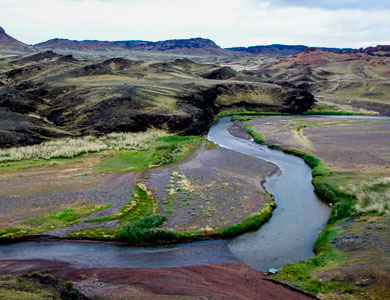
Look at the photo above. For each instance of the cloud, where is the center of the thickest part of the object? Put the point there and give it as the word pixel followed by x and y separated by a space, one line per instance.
pixel 229 23
pixel 331 4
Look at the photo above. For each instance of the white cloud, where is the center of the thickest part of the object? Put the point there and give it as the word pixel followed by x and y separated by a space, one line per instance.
pixel 229 23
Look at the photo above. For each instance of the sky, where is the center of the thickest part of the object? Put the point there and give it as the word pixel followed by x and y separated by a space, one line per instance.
pixel 229 23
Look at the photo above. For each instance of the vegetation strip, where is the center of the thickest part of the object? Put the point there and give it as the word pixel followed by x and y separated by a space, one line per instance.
pixel 251 113
pixel 257 137
pixel 145 231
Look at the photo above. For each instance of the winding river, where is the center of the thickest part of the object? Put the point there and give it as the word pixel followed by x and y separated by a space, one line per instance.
pixel 287 238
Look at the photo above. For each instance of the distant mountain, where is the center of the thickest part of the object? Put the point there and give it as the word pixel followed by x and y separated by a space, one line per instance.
pixel 271 49
pixel 186 46
pixel 8 43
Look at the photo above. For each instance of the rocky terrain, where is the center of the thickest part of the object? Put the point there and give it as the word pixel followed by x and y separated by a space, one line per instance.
pixel 46 95
pixel 350 78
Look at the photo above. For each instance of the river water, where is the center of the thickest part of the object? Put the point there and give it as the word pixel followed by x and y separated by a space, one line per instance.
pixel 287 237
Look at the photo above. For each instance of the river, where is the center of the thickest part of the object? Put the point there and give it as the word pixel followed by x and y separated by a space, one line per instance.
pixel 287 237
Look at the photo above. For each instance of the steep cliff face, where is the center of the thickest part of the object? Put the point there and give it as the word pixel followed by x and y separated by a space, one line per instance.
pixel 45 95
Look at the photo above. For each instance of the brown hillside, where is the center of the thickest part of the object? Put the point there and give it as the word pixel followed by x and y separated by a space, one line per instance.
pixel 8 43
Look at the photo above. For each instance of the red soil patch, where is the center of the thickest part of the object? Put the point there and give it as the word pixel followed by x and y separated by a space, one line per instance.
pixel 219 281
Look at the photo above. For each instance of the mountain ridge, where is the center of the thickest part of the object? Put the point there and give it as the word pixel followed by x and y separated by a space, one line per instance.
pixel 196 46
pixel 9 43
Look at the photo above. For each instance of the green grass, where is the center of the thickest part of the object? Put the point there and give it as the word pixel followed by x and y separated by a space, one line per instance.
pixel 73 147
pixel 142 203
pixel 12 166
pixel 121 152
pixel 319 168
pixel 233 112
pixel 241 118
pixel 145 231
pixel 257 137
pixel 50 221
pixel 36 286
pixel 165 150
pixel 273 146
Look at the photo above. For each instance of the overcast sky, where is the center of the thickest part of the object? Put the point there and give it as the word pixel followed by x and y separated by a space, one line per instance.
pixel 230 23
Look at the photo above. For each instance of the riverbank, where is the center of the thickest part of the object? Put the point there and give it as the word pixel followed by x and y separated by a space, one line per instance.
pixel 352 252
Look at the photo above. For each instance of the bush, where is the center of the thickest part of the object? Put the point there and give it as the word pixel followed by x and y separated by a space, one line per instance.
pixel 144 231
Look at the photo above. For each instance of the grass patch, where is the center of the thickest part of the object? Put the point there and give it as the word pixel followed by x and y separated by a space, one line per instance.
pixel 11 166
pixel 50 221
pixel 369 195
pixel 37 286
pixel 69 148
pixel 273 146
pixel 164 150
pixel 257 137
pixel 142 203
pixel 319 168
pixel 326 185
pixel 229 113
pixel 145 231
pixel 241 118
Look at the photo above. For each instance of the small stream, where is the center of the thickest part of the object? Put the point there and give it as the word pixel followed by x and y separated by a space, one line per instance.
pixel 287 238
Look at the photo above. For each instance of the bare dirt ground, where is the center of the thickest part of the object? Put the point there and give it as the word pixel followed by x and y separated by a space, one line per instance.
pixel 219 281
pixel 31 192
pixel 344 145
pixel 216 187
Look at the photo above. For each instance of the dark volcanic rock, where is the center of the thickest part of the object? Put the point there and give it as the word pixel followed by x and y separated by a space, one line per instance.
pixel 222 73
pixel 22 130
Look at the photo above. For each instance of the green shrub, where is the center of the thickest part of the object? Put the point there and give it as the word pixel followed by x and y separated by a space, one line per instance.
pixel 145 231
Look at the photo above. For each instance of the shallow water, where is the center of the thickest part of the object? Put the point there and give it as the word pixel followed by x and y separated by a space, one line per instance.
pixel 288 236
